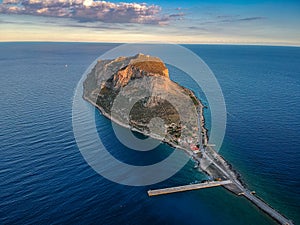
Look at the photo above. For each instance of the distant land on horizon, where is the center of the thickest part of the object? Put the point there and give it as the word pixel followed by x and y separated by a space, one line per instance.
pixel 175 43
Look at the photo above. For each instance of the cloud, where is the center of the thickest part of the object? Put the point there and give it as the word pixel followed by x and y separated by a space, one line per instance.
pixel 177 15
pixel 232 19
pixel 252 18
pixel 246 19
pixel 88 10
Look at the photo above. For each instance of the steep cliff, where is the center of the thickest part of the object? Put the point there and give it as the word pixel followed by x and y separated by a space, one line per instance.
pixel 133 91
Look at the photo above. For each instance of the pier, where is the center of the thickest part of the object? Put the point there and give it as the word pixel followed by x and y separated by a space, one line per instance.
pixel 210 156
pixel 189 187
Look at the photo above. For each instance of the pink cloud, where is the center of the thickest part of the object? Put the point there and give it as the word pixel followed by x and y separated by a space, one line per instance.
pixel 87 10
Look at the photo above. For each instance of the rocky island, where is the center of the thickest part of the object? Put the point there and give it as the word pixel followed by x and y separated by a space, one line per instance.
pixel 134 91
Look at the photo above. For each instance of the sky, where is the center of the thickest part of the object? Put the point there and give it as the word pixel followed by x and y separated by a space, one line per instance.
pixel 262 22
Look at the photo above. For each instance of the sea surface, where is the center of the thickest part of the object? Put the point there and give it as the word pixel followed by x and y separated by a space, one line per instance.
pixel 45 180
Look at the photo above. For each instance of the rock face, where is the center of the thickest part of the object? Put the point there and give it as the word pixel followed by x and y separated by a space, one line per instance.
pixel 133 91
pixel 136 69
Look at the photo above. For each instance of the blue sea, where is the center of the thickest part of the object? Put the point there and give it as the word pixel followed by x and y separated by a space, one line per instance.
pixel 45 180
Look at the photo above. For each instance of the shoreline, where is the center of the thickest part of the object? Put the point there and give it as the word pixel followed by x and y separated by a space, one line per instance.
pixel 210 173
pixel 237 187
pixel 105 114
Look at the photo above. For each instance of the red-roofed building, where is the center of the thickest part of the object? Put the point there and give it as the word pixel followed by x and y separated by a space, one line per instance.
pixel 194 147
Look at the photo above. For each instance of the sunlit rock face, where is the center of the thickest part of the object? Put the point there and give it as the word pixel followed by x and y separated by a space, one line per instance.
pixel 134 90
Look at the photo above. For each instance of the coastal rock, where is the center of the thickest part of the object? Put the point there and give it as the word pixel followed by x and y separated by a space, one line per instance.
pixel 132 91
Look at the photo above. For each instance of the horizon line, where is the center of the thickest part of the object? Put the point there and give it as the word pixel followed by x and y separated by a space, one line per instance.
pixel 156 42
